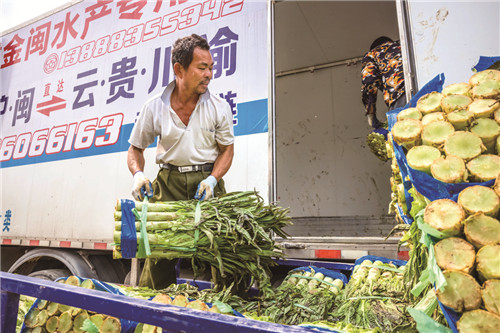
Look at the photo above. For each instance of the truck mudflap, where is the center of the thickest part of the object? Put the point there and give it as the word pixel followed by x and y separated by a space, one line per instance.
pixel 170 318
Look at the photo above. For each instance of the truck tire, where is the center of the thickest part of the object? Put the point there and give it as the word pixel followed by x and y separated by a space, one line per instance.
pixel 51 274
pixel 31 262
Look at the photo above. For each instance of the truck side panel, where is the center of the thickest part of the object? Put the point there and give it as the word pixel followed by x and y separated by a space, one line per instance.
pixel 73 83
pixel 450 36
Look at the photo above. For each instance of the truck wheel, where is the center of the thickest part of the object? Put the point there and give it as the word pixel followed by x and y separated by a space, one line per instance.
pixel 50 274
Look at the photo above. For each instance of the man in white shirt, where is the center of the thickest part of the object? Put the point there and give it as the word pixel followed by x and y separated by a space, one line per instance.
pixel 195 140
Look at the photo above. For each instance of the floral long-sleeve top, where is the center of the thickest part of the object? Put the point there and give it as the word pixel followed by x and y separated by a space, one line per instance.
pixel 382 69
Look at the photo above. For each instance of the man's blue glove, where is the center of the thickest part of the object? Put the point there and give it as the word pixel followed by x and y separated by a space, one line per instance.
pixel 373 121
pixel 206 188
pixel 382 131
pixel 142 187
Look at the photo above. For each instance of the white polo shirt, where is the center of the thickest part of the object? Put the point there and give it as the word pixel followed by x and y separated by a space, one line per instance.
pixel 210 123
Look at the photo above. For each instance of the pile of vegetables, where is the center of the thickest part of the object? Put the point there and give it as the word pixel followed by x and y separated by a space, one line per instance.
pixel 453 135
pixel 467 251
pixel 304 296
pixel 179 300
pixel 231 235
pixel 223 301
pixel 373 298
pixel 47 316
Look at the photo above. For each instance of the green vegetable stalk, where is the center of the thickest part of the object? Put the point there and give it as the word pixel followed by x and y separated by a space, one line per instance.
pixel 231 236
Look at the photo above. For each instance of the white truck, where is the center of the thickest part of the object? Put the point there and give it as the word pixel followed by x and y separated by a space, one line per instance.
pixel 74 79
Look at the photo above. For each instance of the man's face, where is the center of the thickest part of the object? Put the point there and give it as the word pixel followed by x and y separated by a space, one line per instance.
pixel 199 73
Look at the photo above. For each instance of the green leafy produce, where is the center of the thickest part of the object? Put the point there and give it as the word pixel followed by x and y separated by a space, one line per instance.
pixel 292 306
pixel 231 235
pixel 373 298
pixel 313 281
pixel 90 327
pixel 376 143
pixel 303 296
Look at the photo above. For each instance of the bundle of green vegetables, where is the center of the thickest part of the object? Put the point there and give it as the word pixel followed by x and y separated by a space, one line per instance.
pixel 454 135
pixel 304 296
pixel 377 144
pixel 463 253
pixel 230 234
pixel 373 299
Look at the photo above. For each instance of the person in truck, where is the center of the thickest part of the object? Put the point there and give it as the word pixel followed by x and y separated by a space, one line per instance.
pixel 382 69
pixel 195 142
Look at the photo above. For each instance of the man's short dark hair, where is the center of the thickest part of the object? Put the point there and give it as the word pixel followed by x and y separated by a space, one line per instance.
pixel 380 41
pixel 184 47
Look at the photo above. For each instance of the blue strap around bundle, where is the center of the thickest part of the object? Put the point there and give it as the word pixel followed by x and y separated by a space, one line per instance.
pixel 451 316
pixel 128 241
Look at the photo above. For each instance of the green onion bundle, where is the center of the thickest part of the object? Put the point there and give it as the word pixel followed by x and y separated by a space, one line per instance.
pixel 373 298
pixel 231 235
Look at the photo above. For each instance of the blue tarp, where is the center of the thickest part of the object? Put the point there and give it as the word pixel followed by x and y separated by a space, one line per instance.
pixel 485 63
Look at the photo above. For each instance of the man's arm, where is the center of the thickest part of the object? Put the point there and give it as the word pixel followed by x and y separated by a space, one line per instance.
pixel 221 166
pixel 223 161
pixel 135 159
pixel 135 162
pixel 370 81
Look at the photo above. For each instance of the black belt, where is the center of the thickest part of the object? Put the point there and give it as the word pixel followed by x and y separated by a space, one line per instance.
pixel 188 168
